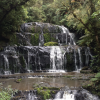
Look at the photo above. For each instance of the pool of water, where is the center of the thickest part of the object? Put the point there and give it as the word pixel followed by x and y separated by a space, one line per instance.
pixel 28 82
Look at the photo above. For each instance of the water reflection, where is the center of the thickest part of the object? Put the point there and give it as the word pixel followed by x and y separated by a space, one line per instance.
pixel 28 83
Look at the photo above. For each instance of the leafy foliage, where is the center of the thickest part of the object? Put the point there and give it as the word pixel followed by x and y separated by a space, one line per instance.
pixel 6 93
pixel 97 75
pixel 95 62
pixel 94 86
pixel 12 14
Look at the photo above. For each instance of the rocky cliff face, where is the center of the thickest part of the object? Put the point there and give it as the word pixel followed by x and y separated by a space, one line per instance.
pixel 27 52
pixel 34 33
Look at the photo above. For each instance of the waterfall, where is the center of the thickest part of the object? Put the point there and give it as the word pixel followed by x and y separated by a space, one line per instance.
pixel 58 95
pixel 6 64
pixel 66 31
pixel 29 57
pixel 67 56
pixel 56 59
pixel 87 54
pixel 41 37
pixel 75 95
pixel 76 67
pixel 39 63
pixel 79 52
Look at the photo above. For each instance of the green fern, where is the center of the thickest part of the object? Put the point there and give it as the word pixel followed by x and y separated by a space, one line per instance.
pixel 97 75
pixel 94 79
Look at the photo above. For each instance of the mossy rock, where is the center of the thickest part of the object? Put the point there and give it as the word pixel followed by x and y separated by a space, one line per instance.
pixel 34 39
pixel 46 92
pixel 51 44
pixel 86 71
pixel 18 80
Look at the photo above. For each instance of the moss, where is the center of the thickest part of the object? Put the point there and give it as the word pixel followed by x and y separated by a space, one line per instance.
pixel 18 80
pixel 51 44
pixel 85 71
pixel 45 30
pixel 53 37
pixel 33 30
pixel 34 39
pixel 47 37
pixel 46 92
pixel 68 76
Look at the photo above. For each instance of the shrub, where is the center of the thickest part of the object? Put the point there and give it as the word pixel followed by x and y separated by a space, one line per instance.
pixel 51 44
pixel 6 93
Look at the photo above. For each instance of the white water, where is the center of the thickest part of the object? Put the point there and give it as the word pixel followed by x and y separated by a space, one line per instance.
pixel 41 37
pixel 6 62
pixel 67 95
pixel 76 67
pixel 79 52
pixel 87 54
pixel 56 59
pixel 66 31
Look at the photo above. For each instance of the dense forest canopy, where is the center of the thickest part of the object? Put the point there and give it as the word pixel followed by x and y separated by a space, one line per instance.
pixel 80 15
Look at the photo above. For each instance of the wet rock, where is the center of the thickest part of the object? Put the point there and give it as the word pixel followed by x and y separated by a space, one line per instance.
pixel 80 96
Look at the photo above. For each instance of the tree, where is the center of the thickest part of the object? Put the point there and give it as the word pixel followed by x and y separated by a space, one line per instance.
pixel 11 16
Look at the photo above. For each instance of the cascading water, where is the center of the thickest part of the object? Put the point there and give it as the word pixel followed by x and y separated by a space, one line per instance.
pixel 61 57
pixel 76 67
pixel 6 63
pixel 87 54
pixel 55 52
pixel 79 52
pixel 41 37
pixel 56 59
pixel 75 95
pixel 71 35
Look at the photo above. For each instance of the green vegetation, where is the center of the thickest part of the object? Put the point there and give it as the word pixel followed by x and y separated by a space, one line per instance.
pixel 45 92
pixel 6 93
pixel 94 85
pixel 51 44
pixel 12 14
pixel 47 37
pixel 95 63
pixel 36 39
pixel 18 80
pixel 81 16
